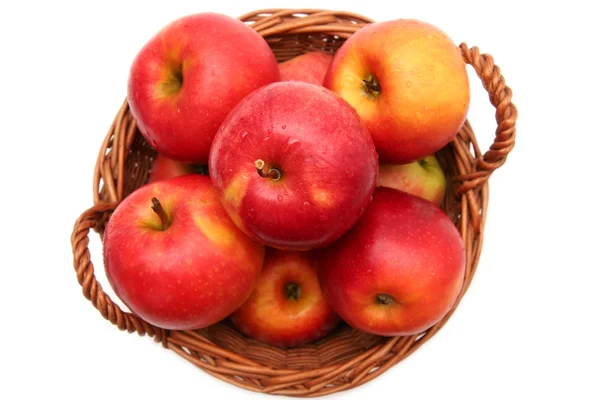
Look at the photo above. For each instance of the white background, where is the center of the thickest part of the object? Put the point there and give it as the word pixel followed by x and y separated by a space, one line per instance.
pixel 527 327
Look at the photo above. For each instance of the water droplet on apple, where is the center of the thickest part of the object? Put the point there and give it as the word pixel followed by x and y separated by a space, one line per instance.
pixel 306 204
pixel 244 134
pixel 408 84
pixel 283 126
pixel 349 174
pixel 279 197
pixel 324 151
pixel 266 138
pixel 213 72
pixel 294 144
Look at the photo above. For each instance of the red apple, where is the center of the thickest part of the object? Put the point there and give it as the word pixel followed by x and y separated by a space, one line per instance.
pixel 186 78
pixel 424 178
pixel 399 270
pixel 408 82
pixel 309 67
pixel 287 306
pixel 174 257
pixel 165 168
pixel 294 165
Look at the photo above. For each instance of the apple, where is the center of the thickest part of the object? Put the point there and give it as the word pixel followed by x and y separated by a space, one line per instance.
pixel 409 84
pixel 424 178
pixel 294 165
pixel 165 168
pixel 309 67
pixel 189 75
pixel 399 270
pixel 173 256
pixel 287 307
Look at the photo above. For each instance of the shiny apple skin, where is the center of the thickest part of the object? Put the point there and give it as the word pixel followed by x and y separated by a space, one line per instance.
pixel 271 316
pixel 165 168
pixel 190 275
pixel 217 59
pixel 309 67
pixel 404 247
pixel 424 178
pixel 327 160
pixel 424 87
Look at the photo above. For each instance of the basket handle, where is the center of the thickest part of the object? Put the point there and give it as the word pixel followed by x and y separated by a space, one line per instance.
pixel 92 290
pixel 500 96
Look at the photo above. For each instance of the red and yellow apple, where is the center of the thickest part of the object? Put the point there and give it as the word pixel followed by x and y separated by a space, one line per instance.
pixel 309 67
pixel 174 257
pixel 424 178
pixel 294 166
pixel 408 82
pixel 287 306
pixel 399 270
pixel 186 78
pixel 165 168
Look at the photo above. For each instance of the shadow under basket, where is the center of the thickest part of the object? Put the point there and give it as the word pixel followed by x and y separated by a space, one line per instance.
pixel 345 358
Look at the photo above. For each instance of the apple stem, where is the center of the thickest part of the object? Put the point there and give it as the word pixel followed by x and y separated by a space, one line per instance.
pixel 160 211
pixel 272 173
pixel 384 299
pixel 372 85
pixel 293 291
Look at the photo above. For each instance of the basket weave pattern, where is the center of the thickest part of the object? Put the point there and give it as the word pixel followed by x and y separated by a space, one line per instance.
pixel 346 358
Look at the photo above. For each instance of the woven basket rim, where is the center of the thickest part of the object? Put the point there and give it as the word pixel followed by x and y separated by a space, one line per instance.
pixel 469 195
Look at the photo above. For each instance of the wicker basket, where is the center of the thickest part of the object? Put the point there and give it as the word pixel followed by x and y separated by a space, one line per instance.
pixel 346 358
